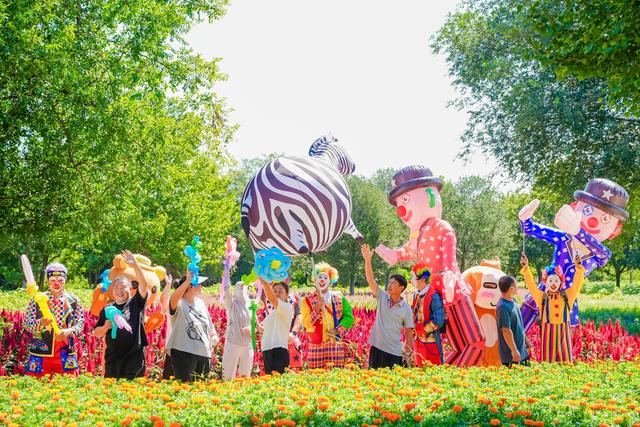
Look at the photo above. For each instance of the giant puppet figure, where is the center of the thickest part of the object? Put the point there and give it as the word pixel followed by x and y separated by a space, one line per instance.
pixel 485 294
pixel 416 194
pixel 596 216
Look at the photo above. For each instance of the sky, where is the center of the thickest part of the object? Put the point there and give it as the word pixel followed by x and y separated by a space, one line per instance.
pixel 361 70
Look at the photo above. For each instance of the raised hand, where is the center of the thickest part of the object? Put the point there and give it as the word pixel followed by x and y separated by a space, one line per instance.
pixel 128 256
pixel 527 211
pixel 367 254
pixel 387 254
pixel 568 220
pixel 524 261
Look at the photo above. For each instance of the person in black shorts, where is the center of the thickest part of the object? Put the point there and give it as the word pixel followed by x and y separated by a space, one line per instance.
pixel 125 356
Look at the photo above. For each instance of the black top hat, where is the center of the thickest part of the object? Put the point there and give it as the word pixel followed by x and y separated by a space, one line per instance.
pixel 606 195
pixel 410 177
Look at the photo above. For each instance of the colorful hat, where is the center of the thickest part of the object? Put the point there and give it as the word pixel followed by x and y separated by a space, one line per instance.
pixel 605 195
pixel 410 177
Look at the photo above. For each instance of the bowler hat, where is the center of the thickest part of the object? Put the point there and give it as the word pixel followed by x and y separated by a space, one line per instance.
pixel 411 177
pixel 605 195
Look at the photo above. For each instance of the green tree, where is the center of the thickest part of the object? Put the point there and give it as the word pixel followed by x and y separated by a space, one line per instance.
pixel 473 207
pixel 112 134
pixel 587 39
pixel 546 132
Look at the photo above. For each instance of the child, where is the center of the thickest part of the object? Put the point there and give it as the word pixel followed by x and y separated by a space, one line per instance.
pixel 124 356
pixel 555 309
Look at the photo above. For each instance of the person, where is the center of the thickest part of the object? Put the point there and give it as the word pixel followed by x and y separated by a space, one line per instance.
pixel 428 316
pixel 51 353
pixel 393 314
pixel 512 341
pixel 124 355
pixel 167 368
pixel 193 335
pixel 295 354
pixel 238 349
pixel 418 202
pixel 555 304
pixel 326 316
pixel 276 326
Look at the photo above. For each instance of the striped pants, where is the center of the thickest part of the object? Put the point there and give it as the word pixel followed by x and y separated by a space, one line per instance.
pixel 556 342
pixel 328 354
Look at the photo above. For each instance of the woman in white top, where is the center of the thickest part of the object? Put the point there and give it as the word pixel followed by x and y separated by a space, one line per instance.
pixel 238 351
pixel 193 335
pixel 275 339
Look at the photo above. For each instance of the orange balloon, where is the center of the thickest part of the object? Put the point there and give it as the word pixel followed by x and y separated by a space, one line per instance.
pixel 100 299
pixel 154 321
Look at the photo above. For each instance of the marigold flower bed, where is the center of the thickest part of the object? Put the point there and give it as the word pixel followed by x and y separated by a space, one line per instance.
pixel 585 394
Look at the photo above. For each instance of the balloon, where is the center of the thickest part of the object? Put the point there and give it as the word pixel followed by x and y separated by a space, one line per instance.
pixel 231 256
pixel 272 265
pixel 416 196
pixel 300 205
pixel 117 319
pixel 600 211
pixel 192 252
pixel 485 295
pixel 40 298
pixel 105 280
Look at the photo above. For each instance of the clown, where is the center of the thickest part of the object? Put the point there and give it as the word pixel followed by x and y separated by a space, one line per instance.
pixel 326 316
pixel 52 353
pixel 428 316
pixel 416 195
pixel 596 216
pixel 555 303
pixel 483 280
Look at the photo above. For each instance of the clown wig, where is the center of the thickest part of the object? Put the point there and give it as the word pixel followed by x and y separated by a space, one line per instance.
pixel 422 271
pixel 323 267
pixel 554 269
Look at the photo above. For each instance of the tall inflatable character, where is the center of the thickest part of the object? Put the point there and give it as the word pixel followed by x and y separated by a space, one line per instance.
pixel 483 280
pixel 416 194
pixel 300 205
pixel 596 216
pixel 326 316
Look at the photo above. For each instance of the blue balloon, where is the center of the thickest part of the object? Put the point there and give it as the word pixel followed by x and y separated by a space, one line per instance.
pixel 272 265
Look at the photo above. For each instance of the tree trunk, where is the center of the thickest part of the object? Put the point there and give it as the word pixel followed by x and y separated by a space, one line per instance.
pixel 42 275
pixel 619 272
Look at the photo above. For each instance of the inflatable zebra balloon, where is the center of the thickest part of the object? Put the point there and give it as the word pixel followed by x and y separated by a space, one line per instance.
pixel 300 205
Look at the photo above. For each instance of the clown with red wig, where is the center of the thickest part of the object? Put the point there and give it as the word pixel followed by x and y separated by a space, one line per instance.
pixel 428 315
pixel 326 316
pixel 555 304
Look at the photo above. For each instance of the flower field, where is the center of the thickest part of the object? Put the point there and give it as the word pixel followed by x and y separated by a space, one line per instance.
pixel 602 393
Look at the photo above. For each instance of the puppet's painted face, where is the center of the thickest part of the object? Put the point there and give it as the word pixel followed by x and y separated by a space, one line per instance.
pixel 598 223
pixel 553 283
pixel 488 294
pixel 56 284
pixel 323 282
pixel 418 205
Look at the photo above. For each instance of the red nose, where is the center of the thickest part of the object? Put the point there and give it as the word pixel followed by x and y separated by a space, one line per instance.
pixel 401 211
pixel 593 222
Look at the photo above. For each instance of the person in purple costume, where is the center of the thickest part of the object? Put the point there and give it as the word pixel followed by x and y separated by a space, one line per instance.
pixel 597 215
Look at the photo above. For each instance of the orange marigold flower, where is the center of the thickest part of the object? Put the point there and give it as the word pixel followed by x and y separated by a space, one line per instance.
pixel 409 406
pixel 255 419
pixel 493 409
pixel 308 413
pixel 290 423
pixel 618 420
pixel 457 408
pixel 377 421
pixel 159 423
pixel 127 421
pixel 418 417
pixel 323 406
pixel 48 424
pixel 175 424
pixel 495 422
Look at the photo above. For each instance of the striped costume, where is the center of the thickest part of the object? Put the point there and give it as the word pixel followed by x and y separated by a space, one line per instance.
pixel 326 351
pixel 555 328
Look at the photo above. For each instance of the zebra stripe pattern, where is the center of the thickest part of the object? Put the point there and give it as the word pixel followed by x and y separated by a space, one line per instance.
pixel 298 205
pixel 326 148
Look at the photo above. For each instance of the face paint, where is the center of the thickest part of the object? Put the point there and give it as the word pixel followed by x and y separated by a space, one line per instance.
pixel 432 197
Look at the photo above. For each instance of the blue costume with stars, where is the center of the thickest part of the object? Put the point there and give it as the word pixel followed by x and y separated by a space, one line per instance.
pixel 590 251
